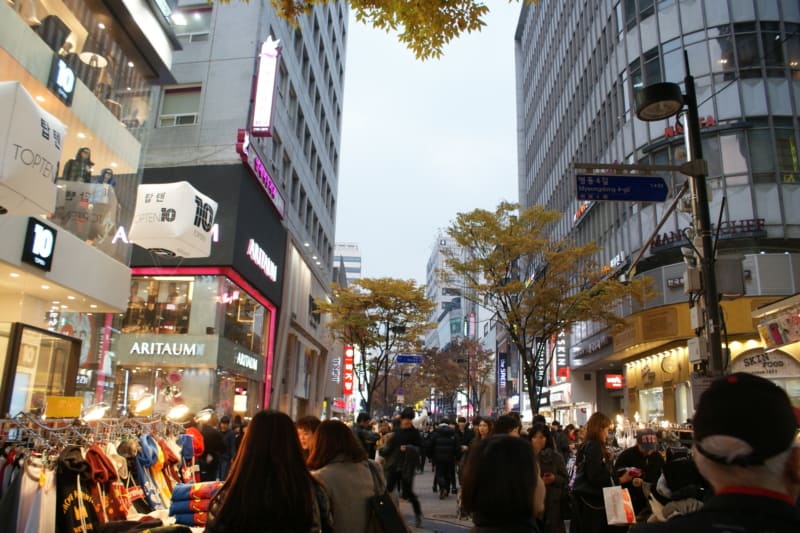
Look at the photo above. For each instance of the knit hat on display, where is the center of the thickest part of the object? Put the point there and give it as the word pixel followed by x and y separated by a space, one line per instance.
pixel 728 409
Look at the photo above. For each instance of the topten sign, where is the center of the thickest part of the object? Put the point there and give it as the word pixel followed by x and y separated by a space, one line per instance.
pixel 264 92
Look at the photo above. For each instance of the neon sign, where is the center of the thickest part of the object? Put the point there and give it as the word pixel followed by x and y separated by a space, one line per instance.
pixel 347 379
pixel 262 260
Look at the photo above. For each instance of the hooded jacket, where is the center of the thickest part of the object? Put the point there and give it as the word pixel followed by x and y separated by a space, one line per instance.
pixel 102 474
pixel 75 509
pixel 145 459
pixel 79 169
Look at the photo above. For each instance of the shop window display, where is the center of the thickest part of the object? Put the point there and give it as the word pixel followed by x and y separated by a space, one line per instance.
pixel 651 404
pixel 157 306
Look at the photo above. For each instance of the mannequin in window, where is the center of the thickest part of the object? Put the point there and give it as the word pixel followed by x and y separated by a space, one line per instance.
pixel 80 168
pixel 106 177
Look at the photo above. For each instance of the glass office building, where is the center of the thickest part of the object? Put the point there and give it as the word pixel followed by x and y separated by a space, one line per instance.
pixel 579 65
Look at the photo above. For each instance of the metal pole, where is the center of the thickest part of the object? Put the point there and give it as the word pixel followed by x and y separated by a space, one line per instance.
pixel 386 375
pixel 702 222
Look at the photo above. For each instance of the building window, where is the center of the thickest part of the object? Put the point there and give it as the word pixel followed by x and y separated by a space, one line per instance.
pixel 180 106
pixel 192 25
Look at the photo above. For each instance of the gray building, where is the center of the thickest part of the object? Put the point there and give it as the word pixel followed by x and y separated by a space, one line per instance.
pixel 579 65
pixel 197 124
pixel 349 255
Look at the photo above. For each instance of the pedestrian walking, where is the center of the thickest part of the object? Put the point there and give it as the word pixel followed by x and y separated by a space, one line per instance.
pixel 269 487
pixel 444 450
pixel 499 485
pixel 402 456
pixel 594 471
pixel 554 475
pixel 341 464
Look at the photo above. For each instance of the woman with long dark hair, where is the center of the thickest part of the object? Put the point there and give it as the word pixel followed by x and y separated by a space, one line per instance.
pixel 499 485
pixel 594 471
pixel 340 463
pixel 269 487
pixel 554 476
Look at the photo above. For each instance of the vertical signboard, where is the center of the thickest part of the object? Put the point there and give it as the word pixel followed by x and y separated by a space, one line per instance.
pixel 264 91
pixel 558 343
pixel 347 375
pixel 502 374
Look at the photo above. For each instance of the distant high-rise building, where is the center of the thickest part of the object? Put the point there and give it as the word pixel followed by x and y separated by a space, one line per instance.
pixel 580 66
pixel 349 254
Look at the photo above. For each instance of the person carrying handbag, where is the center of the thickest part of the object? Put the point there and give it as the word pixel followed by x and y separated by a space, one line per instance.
pixel 594 471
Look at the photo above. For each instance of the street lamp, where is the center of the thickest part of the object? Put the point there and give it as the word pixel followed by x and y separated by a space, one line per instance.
pixel 660 101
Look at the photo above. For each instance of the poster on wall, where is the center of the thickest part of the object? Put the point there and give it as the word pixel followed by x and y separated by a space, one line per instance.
pixel 30 142
pixel 173 219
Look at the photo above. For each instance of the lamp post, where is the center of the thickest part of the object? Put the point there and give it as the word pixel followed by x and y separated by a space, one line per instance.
pixel 660 101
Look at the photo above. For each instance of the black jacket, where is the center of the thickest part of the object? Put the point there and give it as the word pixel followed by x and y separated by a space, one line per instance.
pixel 443 445
pixel 593 473
pixel 743 513
pixel 396 459
pixel 650 465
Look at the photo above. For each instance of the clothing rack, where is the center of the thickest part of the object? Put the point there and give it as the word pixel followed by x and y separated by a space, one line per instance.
pixel 35 432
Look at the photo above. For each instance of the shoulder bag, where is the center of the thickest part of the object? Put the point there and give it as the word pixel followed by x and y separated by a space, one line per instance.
pixel 384 516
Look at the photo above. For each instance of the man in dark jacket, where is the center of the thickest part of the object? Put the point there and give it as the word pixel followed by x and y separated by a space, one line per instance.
pixel 644 463
pixel 444 450
pixel 402 456
pixel 560 439
pixel 364 434
pixel 214 447
pixel 754 469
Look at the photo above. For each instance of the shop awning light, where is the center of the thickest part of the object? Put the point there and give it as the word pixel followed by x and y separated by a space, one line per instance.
pixel 95 412
pixel 177 412
pixel 144 405
pixel 203 416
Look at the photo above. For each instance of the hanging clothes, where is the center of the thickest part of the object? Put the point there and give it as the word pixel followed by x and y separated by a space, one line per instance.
pixel 76 509
pixel 129 449
pixel 38 488
pixel 145 459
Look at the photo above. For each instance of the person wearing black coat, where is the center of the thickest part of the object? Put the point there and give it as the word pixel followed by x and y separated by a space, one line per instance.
pixel 444 449
pixel 402 457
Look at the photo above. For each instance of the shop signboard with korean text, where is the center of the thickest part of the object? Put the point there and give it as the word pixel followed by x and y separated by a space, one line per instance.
pixel 349 371
pixel 30 142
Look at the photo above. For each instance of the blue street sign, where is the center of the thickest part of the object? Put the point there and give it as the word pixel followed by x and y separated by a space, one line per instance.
pixel 621 188
pixel 409 359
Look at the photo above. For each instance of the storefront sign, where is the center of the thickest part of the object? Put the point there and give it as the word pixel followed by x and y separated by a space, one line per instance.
pixel 251 155
pixel 40 241
pixel 502 374
pixel 62 80
pixel 590 347
pixel 336 370
pixel 175 349
pixel 560 358
pixel 30 149
pixel 173 219
pixel 705 122
pixel 773 364
pixel 615 382
pixel 753 227
pixel 264 91
pixel 347 380
pixel 246 361
pixel 258 256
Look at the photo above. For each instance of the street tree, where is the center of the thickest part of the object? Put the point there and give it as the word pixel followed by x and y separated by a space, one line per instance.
pixel 537 286
pixel 381 317
pixel 463 367
pixel 424 27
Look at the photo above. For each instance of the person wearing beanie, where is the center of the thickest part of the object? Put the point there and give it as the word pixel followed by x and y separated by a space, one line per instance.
pixel 754 470
pixel 645 464
pixel 402 456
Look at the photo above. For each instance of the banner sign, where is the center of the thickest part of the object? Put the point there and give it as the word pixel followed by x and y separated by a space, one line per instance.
pixel 31 140
pixel 502 374
pixel 264 90
pixel 347 379
pixel 173 219
pixel 40 241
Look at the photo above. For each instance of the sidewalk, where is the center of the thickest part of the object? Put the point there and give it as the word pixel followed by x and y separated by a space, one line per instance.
pixel 438 515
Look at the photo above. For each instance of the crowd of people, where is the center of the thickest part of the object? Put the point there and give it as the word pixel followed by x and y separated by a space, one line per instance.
pixel 310 475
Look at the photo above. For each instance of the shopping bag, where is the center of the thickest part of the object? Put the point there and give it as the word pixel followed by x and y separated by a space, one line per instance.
pixel 619 508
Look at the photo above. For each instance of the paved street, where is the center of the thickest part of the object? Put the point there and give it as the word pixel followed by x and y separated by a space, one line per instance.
pixel 439 515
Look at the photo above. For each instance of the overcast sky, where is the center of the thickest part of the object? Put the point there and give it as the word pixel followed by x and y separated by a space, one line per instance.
pixel 423 141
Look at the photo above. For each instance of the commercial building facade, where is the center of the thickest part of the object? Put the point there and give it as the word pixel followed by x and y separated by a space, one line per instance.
pixel 575 101
pixel 77 76
pixel 206 130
